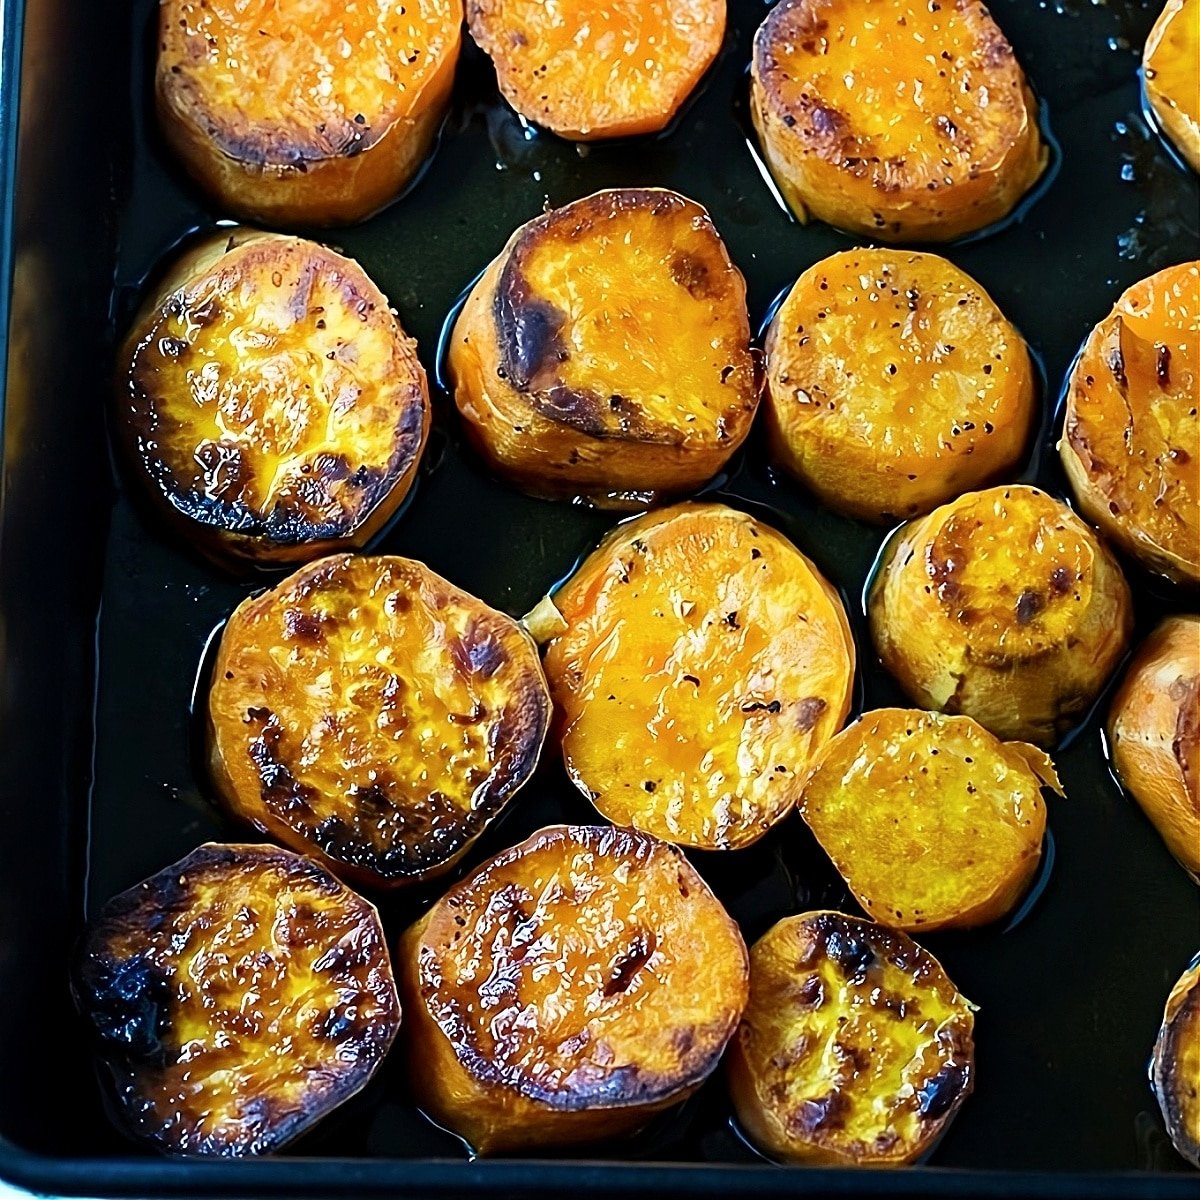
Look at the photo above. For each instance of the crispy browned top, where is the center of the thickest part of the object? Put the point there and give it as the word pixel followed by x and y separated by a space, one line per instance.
pixel 1175 1069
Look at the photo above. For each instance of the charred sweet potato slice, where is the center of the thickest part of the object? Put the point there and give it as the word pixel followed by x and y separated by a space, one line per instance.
pixel 369 713
pixel 569 989
pixel 903 121
pixel 236 998
pixel 894 383
pixel 605 353
pixel 1154 734
pixel 855 1050
pixel 932 821
pixel 1171 76
pixel 270 401
pixel 1175 1065
pixel 702 663
pixel 1005 606
pixel 313 112
pixel 1131 435
pixel 598 68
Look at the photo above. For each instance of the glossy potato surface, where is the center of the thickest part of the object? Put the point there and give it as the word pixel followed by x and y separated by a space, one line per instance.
pixel 1175 1065
pixel 1171 77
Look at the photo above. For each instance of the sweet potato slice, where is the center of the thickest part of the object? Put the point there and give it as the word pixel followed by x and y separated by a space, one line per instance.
pixel 236 997
pixel 1171 77
pixel 703 663
pixel 1005 606
pixel 369 713
pixel 894 383
pixel 592 69
pixel 932 821
pixel 569 989
pixel 903 121
pixel 605 353
pixel 312 112
pixel 1175 1065
pixel 855 1050
pixel 1131 435
pixel 270 401
pixel 1154 734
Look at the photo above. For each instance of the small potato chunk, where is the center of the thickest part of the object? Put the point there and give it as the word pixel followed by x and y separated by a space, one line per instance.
pixel 1005 606
pixel 855 1050
pixel 369 713
pixel 236 997
pixel 1154 734
pixel 313 112
pixel 1175 1065
pixel 904 121
pixel 605 354
pixel 932 822
pixel 270 402
pixel 704 662
pixel 894 383
pixel 1131 435
pixel 592 69
pixel 568 990
pixel 1169 67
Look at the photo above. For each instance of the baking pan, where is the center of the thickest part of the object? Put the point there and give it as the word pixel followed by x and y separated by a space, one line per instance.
pixel 104 619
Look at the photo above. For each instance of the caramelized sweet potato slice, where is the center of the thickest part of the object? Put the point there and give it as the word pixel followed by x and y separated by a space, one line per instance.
pixel 1175 1065
pixel 932 821
pixel 236 998
pixel 569 989
pixel 1172 78
pixel 1131 435
pixel 703 663
pixel 903 121
pixel 855 1050
pixel 270 401
pixel 369 713
pixel 605 353
pixel 1002 605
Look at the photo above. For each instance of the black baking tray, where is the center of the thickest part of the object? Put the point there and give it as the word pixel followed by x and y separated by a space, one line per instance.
pixel 104 619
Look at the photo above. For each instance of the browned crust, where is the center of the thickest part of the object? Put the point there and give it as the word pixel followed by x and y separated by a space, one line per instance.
pixel 1178 1094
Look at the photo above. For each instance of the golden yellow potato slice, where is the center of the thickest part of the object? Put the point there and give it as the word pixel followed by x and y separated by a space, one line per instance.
pixel 1175 1065
pixel 1172 77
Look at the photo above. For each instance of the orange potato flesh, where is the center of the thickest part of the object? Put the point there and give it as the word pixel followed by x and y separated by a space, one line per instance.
pixel 592 69
pixel 271 401
pixel 1175 1066
pixel 605 354
pixel 569 989
pixel 703 663
pixel 901 121
pixel 1172 78
pixel 310 112
pixel 894 383
pixel 932 821
pixel 369 713
pixel 238 996
pixel 855 1050
pixel 1132 435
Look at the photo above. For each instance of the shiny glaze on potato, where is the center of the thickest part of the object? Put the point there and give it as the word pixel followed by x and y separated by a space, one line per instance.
pixel 1005 606
pixel 1175 1065
pixel 569 989
pixel 855 1049
pixel 702 663
pixel 236 998
pixel 270 401
pixel 1171 76
pixel 894 383
pixel 605 353
pixel 899 120
pixel 932 821
pixel 1131 437
pixel 369 713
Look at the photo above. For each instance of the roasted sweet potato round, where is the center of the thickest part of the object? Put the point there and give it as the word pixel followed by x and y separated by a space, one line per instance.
pixel 236 997
pixel 1172 80
pixel 569 989
pixel 855 1050
pixel 1154 734
pixel 894 383
pixel 903 121
pixel 589 70
pixel 605 353
pixel 701 662
pixel 1175 1065
pixel 313 112
pixel 270 401
pixel 369 713
pixel 932 821
pixel 1131 435
pixel 1005 606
